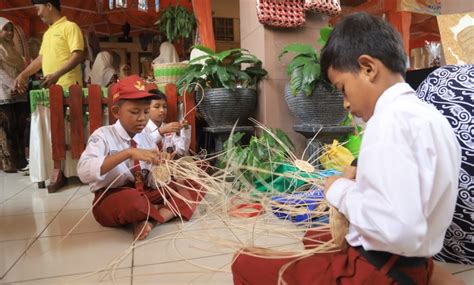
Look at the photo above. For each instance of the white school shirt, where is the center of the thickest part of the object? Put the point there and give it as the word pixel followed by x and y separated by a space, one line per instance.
pixel 106 141
pixel 180 143
pixel 405 192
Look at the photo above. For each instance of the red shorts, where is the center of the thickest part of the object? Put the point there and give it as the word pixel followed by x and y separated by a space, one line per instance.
pixel 127 205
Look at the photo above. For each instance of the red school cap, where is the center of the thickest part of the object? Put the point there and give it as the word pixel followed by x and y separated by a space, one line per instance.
pixel 129 88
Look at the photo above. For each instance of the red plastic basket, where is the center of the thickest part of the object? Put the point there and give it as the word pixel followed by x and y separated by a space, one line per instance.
pixel 281 13
pixel 327 7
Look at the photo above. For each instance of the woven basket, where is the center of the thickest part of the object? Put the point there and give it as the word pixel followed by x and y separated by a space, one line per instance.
pixel 168 72
pixel 327 7
pixel 281 13
pixel 323 107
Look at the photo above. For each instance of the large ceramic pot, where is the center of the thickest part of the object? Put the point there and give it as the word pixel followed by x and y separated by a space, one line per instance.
pixel 324 106
pixel 223 107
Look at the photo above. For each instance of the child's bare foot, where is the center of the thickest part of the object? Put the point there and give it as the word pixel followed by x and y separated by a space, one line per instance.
pixel 142 229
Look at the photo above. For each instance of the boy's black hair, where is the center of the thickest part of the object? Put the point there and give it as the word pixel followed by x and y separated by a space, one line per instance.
pixel 158 94
pixel 56 3
pixel 359 34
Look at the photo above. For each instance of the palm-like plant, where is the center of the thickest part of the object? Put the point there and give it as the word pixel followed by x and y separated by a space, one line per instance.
pixel 305 69
pixel 222 70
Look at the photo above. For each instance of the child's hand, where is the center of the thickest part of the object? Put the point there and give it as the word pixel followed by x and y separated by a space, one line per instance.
pixel 166 156
pixel 328 182
pixel 350 172
pixel 150 156
pixel 170 128
pixel 185 124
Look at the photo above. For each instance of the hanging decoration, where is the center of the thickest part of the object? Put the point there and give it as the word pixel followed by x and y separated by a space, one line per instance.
pixel 281 13
pixel 327 7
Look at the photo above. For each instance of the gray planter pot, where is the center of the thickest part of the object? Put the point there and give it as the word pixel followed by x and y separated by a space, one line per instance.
pixel 223 107
pixel 324 106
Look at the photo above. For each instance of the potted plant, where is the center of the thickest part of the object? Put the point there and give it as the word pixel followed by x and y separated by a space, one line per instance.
pixel 263 153
pixel 176 22
pixel 229 79
pixel 310 98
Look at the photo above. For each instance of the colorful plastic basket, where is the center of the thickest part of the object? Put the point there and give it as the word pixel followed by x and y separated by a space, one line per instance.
pixel 168 72
pixel 280 183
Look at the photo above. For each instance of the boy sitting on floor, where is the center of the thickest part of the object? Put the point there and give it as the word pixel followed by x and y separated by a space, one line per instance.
pixel 404 194
pixel 121 156
pixel 174 137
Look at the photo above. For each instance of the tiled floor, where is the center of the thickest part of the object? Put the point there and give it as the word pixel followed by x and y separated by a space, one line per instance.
pixel 34 248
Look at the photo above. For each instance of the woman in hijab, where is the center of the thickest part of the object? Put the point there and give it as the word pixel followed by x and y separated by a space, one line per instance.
pixel 168 54
pixel 103 72
pixel 13 106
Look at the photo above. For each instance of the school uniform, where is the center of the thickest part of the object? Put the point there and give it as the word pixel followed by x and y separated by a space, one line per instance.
pixel 180 143
pixel 399 207
pixel 129 200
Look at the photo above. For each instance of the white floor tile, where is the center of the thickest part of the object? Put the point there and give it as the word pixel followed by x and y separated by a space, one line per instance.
pixel 51 257
pixel 167 244
pixel 466 276
pixel 211 270
pixel 66 220
pixel 454 267
pixel 24 226
pixel 121 277
pixel 12 181
pixel 81 200
pixel 7 192
pixel 35 192
pixel 31 205
pixel 10 251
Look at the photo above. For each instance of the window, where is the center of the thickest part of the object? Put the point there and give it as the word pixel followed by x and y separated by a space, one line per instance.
pixel 223 29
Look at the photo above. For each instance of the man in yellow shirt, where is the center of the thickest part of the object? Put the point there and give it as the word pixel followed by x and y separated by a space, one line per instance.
pixel 61 51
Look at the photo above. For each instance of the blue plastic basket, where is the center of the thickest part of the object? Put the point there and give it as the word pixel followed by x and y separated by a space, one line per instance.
pixel 309 199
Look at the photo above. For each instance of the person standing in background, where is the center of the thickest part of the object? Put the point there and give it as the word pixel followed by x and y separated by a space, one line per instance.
pixel 61 52
pixel 13 106
pixel 103 72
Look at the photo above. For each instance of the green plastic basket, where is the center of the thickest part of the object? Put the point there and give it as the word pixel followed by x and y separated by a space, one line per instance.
pixel 168 72
pixel 283 184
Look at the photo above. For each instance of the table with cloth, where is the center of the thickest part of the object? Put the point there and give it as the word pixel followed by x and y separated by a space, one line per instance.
pixel 41 162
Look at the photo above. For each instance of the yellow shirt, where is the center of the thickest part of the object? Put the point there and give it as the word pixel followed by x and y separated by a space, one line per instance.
pixel 60 40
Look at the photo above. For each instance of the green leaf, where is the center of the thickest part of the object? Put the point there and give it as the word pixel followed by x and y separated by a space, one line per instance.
pixel 247 58
pixel 224 77
pixel 310 73
pixel 285 139
pixel 223 54
pixel 296 80
pixel 296 62
pixel 205 49
pixel 199 58
pixel 324 34
pixel 233 140
pixel 298 49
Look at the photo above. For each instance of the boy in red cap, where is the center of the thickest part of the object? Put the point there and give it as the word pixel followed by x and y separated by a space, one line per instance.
pixel 121 156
